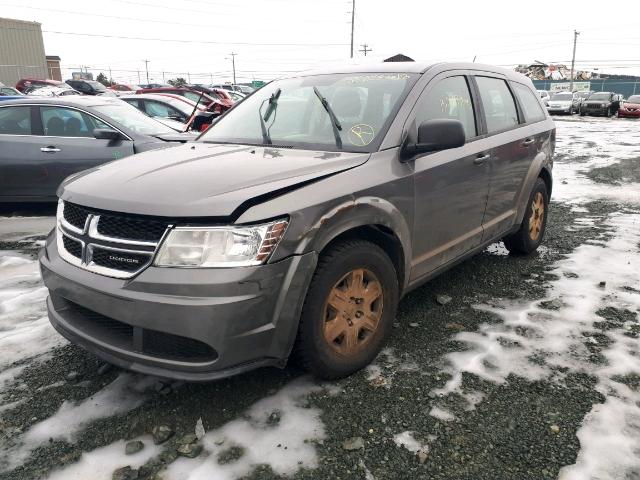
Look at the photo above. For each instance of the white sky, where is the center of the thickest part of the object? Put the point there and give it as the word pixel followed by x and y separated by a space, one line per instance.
pixel 313 33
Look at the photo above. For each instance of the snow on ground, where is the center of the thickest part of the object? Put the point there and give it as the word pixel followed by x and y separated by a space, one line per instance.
pixel 125 393
pixel 13 229
pixel 278 431
pixel 101 462
pixel 539 339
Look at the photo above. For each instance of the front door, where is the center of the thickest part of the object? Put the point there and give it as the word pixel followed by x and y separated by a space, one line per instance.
pixel 451 186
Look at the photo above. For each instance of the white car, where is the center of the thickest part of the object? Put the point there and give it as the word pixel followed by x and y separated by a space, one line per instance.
pixel 544 95
pixel 564 102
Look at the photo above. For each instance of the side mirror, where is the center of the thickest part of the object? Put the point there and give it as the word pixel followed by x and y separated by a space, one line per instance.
pixel 106 134
pixel 438 134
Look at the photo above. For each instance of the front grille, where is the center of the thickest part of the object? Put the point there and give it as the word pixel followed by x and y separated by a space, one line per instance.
pixel 131 228
pixel 75 215
pixel 116 244
pixel 150 342
pixel 72 246
pixel 125 261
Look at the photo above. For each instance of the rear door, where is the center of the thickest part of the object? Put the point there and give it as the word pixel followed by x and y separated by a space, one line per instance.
pixel 513 147
pixel 65 145
pixel 451 186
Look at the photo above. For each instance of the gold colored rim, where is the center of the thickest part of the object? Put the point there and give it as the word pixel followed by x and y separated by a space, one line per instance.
pixel 352 311
pixel 537 216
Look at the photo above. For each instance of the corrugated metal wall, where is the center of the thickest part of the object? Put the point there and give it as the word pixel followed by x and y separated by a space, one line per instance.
pixel 21 51
pixel 625 87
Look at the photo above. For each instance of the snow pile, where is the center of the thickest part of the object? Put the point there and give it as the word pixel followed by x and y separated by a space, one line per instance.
pixel 536 338
pixel 277 431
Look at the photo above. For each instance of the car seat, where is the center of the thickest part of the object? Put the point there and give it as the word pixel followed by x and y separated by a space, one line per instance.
pixel 55 127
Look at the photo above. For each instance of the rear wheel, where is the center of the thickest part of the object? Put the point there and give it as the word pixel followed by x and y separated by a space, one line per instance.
pixel 349 309
pixel 531 232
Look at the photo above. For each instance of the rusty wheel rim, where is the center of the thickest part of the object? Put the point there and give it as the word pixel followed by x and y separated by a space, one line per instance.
pixel 537 216
pixel 352 311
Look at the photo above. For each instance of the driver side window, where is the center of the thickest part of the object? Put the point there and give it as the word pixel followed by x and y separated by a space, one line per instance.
pixel 449 99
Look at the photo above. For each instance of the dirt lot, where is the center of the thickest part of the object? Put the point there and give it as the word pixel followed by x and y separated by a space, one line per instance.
pixel 502 368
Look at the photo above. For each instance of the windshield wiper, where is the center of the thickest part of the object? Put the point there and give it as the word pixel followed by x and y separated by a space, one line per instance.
pixel 273 104
pixel 335 123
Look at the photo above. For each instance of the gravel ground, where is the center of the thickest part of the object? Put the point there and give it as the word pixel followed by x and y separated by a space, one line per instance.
pixel 466 389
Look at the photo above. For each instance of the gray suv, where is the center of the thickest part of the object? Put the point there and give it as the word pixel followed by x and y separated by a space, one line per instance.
pixel 298 220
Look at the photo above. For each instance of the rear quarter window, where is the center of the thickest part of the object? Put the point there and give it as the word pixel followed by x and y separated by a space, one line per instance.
pixel 530 106
pixel 15 120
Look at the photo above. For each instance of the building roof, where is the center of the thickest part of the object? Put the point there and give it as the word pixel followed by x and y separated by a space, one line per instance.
pixel 14 20
pixel 53 57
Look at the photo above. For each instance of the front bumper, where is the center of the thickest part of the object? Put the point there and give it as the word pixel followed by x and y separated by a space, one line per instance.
pixel 595 111
pixel 553 110
pixel 188 324
pixel 629 114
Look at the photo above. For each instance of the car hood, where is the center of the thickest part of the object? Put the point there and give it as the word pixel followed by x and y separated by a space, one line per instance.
pixel 631 105
pixel 177 136
pixel 201 180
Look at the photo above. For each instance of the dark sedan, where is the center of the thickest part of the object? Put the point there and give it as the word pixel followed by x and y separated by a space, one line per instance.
pixel 44 140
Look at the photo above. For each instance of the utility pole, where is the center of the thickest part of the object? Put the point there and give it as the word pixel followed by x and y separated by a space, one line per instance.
pixel 233 65
pixel 139 82
pixel 365 49
pixel 110 78
pixel 146 66
pixel 163 81
pixel 353 18
pixel 573 59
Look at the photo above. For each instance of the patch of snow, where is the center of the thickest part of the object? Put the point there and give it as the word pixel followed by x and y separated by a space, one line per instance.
pixel 497 248
pixel 13 229
pixel 100 463
pixel 442 414
pixel 285 445
pixel 407 440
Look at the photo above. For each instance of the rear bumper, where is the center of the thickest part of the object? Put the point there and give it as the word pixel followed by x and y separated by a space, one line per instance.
pixel 188 324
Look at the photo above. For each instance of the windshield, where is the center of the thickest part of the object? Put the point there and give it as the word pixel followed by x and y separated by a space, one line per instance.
pixel 96 85
pixel 599 96
pixel 290 113
pixel 133 119
pixel 634 99
pixel 562 96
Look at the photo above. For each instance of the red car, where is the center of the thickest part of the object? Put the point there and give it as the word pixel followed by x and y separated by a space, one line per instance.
pixel 219 106
pixel 24 83
pixel 630 108
pixel 121 87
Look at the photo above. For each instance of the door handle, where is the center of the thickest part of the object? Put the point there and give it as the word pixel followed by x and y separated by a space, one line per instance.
pixel 49 149
pixel 527 142
pixel 481 159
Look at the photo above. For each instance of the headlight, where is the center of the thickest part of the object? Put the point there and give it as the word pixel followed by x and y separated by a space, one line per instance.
pixel 603 105
pixel 232 246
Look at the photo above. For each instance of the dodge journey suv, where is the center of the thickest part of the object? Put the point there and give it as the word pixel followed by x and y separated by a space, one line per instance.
pixel 293 226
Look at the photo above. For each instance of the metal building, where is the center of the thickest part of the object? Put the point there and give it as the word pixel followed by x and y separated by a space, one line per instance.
pixel 21 51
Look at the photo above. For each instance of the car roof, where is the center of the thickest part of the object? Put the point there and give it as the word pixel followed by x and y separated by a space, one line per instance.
pixel 70 100
pixel 408 67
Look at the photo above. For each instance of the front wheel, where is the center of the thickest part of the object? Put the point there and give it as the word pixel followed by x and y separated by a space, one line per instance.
pixel 348 311
pixel 531 232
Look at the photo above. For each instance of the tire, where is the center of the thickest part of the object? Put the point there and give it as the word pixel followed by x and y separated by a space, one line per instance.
pixel 531 232
pixel 356 342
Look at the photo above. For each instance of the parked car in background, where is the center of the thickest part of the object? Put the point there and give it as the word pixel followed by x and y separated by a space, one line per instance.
pixel 601 103
pixel 224 96
pixel 200 97
pixel 299 230
pixel 60 91
pixel 171 109
pixel 564 102
pixel 89 87
pixel 544 96
pixel 630 108
pixel 236 96
pixel 44 140
pixel 26 83
pixel 121 87
pixel 9 91
pixel 244 89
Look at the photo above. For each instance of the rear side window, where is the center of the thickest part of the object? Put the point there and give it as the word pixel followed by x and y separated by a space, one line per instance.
pixel 449 98
pixel 499 107
pixel 15 120
pixel 532 110
pixel 66 122
pixel 157 109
